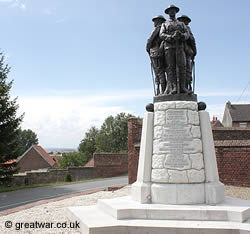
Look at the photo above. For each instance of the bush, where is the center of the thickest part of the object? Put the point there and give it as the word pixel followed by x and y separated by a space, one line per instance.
pixel 68 177
pixel 74 159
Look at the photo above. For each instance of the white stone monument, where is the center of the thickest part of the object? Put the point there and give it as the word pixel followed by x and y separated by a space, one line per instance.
pixel 177 189
pixel 179 161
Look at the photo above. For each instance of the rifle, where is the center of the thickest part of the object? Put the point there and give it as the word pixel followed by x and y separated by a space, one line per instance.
pixel 153 78
pixel 193 69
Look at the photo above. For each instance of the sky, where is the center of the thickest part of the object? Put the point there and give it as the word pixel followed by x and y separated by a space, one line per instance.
pixel 76 62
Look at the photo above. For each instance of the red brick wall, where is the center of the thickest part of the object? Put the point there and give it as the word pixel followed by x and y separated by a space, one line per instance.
pixel 233 160
pixel 110 164
pixel 134 139
pixel 231 133
pixel 110 159
pixel 233 154
pixel 32 161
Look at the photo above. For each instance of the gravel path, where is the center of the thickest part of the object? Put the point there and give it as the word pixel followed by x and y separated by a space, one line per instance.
pixel 55 211
pixel 238 192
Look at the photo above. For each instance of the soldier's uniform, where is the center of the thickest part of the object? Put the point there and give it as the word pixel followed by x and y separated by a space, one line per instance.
pixel 190 50
pixel 155 51
pixel 175 56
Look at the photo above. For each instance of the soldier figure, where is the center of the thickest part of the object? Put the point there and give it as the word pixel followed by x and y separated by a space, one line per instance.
pixel 156 54
pixel 174 33
pixel 190 50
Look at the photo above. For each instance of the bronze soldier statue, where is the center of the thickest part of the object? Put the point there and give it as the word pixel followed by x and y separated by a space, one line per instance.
pixel 190 50
pixel 155 52
pixel 174 33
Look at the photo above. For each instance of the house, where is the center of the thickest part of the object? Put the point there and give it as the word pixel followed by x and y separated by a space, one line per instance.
pixel 236 115
pixel 35 158
pixel 215 123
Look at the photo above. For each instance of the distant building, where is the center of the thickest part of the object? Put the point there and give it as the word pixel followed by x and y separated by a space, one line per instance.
pixel 215 123
pixel 35 158
pixel 236 115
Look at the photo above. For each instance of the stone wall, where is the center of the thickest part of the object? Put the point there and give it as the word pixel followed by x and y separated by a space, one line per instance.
pixel 105 165
pixel 52 176
pixel 233 161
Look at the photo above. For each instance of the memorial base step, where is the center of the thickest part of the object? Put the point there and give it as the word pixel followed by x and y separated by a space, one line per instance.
pixel 125 216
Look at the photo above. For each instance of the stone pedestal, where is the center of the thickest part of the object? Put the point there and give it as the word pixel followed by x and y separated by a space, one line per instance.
pixel 177 189
pixel 183 166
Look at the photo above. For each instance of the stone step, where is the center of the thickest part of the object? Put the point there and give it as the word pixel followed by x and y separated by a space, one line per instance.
pixel 94 221
pixel 235 210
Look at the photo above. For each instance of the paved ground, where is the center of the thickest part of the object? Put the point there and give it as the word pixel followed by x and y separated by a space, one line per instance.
pixel 14 199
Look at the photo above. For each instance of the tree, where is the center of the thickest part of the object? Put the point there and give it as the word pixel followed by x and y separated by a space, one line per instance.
pixel 9 125
pixel 26 138
pixel 113 135
pixel 74 159
pixel 88 144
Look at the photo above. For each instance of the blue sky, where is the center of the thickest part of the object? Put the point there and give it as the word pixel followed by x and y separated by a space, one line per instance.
pixel 76 62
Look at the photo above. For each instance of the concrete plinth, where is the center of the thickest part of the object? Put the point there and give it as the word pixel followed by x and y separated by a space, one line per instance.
pixel 125 216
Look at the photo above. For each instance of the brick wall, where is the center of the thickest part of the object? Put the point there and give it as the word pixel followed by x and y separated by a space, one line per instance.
pixel 110 159
pixel 79 173
pixel 110 164
pixel 134 139
pixel 232 151
pixel 233 160
pixel 231 133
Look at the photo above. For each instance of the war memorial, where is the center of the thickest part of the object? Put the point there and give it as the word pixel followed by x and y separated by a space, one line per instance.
pixel 177 189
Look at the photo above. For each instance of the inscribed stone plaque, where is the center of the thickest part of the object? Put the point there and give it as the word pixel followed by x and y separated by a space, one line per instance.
pixel 179 161
pixel 176 136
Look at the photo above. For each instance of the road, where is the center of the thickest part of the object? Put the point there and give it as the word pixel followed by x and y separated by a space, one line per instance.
pixel 22 197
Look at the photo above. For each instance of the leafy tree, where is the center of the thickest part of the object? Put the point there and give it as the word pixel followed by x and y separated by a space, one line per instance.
pixel 74 159
pixel 113 135
pixel 9 125
pixel 88 144
pixel 26 138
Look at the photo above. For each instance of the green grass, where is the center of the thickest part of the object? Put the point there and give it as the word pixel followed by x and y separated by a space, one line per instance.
pixel 14 188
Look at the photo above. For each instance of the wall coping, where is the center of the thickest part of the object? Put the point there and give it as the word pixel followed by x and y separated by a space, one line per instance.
pixel 232 143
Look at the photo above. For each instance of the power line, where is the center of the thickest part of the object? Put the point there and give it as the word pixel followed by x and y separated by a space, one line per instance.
pixel 243 91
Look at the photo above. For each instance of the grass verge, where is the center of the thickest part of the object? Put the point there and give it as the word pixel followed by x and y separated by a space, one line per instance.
pixel 14 188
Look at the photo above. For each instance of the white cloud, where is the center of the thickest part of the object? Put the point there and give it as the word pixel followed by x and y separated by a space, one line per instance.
pixel 23 6
pixel 61 118
pixel 61 121
pixel 14 4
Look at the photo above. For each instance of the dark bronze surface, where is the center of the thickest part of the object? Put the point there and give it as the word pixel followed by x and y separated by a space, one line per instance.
pixel 172 49
pixel 155 52
pixel 202 106
pixel 150 107
pixel 176 97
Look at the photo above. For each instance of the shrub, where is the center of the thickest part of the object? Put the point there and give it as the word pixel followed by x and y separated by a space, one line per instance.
pixel 68 177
